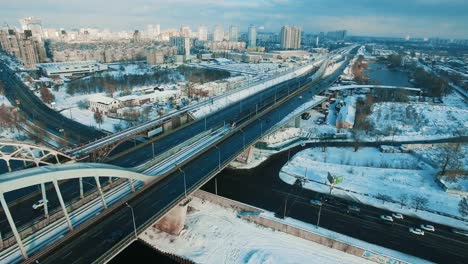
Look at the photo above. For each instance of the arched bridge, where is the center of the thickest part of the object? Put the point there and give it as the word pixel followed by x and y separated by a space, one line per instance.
pixel 40 175
pixel 31 154
pixel 357 86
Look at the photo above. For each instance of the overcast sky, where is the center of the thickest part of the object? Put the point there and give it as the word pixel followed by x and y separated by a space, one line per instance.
pixel 397 18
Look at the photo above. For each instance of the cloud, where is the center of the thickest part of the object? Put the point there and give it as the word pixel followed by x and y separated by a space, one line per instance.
pixel 444 18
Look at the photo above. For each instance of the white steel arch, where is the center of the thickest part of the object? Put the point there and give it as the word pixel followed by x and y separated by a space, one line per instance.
pixel 39 155
pixel 357 86
pixel 29 177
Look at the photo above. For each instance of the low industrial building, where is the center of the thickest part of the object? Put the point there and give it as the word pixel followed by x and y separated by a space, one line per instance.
pixel 66 69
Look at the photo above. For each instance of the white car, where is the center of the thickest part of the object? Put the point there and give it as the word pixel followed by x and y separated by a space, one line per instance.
pixel 428 228
pixel 316 202
pixel 397 215
pixel 386 218
pixel 416 231
pixel 38 204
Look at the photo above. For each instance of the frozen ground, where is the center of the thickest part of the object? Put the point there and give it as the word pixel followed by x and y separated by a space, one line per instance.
pixel 418 120
pixel 370 175
pixel 9 134
pixel 215 234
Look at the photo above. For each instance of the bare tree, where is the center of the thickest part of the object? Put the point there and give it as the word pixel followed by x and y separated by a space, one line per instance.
pixel 403 199
pixel 463 207
pixel 46 95
pixel 419 202
pixel 98 118
pixel 384 198
pixel 452 157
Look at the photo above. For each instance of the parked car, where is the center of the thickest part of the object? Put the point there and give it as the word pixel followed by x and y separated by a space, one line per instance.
pixel 428 227
pixel 316 202
pixel 416 231
pixel 397 215
pixel 386 218
pixel 38 204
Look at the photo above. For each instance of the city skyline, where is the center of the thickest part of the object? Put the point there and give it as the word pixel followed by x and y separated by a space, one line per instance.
pixel 388 18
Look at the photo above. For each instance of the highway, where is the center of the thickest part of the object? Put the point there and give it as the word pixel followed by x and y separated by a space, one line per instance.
pixel 38 112
pixel 92 240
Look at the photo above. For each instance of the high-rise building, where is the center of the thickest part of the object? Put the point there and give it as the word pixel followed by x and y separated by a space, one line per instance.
pixel 252 37
pixel 218 33
pixel 153 30
pixel 234 33
pixel 28 49
pixel 136 36
pixel 154 56
pixel 336 35
pixel 182 44
pixel 185 32
pixel 202 33
pixel 34 24
pixel 290 37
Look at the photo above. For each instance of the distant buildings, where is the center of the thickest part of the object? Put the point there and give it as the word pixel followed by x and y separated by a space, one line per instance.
pixel 154 56
pixel 182 44
pixel 153 30
pixel 234 33
pixel 33 24
pixel 23 46
pixel 185 32
pixel 290 37
pixel 336 35
pixel 136 36
pixel 202 33
pixel 218 33
pixel 225 45
pixel 252 37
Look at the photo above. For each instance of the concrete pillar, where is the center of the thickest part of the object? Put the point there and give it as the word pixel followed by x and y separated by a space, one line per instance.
pixel 62 204
pixel 1 241
pixel 173 222
pixel 132 184
pixel 81 188
pixel 44 198
pixel 297 122
pixel 98 184
pixel 13 226
pixel 110 180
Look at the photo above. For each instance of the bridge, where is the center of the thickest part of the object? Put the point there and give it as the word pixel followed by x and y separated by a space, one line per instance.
pixel 254 117
pixel 353 87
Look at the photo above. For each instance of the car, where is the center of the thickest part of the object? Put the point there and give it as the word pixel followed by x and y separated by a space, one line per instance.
pixel 460 232
pixel 428 228
pixel 416 231
pixel 397 215
pixel 386 218
pixel 353 208
pixel 38 204
pixel 316 202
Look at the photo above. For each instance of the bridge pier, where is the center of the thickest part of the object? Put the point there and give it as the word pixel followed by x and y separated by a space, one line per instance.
pixel 62 204
pixel 173 222
pixel 81 188
pixel 132 185
pixel 13 226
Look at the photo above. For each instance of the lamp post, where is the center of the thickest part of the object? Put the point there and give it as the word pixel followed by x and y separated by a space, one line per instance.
pixel 133 217
pixel 185 182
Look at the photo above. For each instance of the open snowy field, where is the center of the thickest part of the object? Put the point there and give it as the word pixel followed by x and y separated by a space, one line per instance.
pixel 421 120
pixel 394 181
pixel 215 234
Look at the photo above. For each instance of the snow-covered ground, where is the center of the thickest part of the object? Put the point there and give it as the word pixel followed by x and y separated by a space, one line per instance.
pixel 214 234
pixel 8 134
pixel 370 175
pixel 63 100
pixel 418 120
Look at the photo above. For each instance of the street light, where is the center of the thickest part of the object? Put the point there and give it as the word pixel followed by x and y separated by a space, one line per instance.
pixel 185 182
pixel 133 217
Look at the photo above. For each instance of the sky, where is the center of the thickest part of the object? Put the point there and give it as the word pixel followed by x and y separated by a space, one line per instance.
pixel 393 18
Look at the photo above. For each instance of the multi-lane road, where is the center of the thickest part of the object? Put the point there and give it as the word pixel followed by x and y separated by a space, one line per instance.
pixel 92 240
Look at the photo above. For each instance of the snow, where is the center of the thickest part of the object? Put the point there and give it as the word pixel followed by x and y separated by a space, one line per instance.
pixel 343 238
pixel 369 174
pixel 69 102
pixel 215 234
pixel 418 120
pixel 244 93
